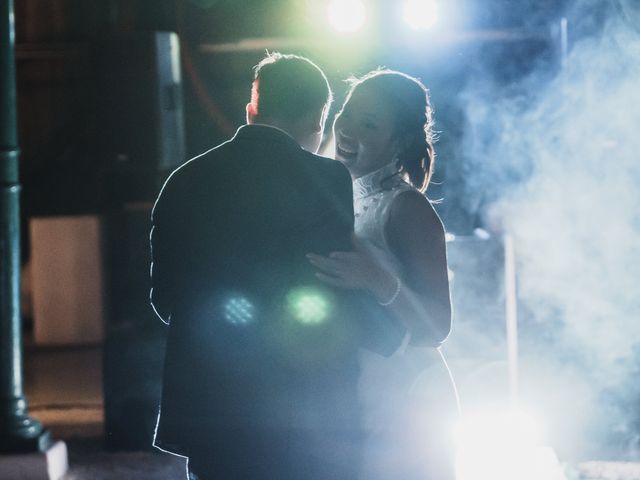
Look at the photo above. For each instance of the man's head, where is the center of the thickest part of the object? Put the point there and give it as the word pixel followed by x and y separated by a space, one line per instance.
pixel 292 93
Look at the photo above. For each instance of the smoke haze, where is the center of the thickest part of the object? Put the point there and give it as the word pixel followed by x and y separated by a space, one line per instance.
pixel 553 160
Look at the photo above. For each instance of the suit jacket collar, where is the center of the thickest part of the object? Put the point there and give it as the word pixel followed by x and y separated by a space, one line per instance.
pixel 265 132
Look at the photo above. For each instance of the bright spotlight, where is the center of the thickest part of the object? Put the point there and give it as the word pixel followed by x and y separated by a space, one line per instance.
pixel 421 14
pixel 499 428
pixel 504 446
pixel 346 15
pixel 307 305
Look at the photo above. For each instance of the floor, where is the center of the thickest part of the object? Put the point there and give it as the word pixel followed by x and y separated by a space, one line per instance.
pixel 88 461
pixel 64 390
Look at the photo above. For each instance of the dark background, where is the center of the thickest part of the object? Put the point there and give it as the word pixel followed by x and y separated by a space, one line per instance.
pixel 66 170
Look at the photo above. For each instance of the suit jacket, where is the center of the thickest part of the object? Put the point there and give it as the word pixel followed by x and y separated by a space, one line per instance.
pixel 256 342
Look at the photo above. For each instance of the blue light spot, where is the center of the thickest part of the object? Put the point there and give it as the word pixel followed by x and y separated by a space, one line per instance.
pixel 239 311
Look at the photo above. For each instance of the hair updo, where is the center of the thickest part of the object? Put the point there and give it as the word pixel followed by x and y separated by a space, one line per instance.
pixel 413 117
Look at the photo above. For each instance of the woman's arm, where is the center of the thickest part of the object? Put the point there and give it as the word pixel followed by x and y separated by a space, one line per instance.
pixel 421 300
pixel 416 237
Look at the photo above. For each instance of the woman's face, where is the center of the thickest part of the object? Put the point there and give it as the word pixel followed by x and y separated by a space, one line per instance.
pixel 364 132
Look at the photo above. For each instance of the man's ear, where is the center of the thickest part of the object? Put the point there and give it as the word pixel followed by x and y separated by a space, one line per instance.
pixel 251 113
pixel 252 106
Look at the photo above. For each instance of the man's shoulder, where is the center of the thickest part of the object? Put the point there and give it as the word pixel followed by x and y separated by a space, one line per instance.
pixel 205 160
pixel 327 165
pixel 336 176
pixel 191 173
pixel 208 157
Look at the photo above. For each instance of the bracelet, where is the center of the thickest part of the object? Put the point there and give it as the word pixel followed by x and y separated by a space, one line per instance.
pixel 395 294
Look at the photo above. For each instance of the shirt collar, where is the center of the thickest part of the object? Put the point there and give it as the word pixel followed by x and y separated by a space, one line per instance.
pixel 376 181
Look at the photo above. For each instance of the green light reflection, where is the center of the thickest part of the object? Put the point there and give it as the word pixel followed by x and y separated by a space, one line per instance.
pixel 308 305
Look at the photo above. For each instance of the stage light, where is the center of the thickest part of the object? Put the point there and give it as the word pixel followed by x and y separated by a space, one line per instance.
pixel 421 14
pixel 239 311
pixel 346 16
pixel 498 428
pixel 504 446
pixel 307 305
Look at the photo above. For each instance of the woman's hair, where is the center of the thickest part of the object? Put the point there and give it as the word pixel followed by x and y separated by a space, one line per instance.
pixel 413 116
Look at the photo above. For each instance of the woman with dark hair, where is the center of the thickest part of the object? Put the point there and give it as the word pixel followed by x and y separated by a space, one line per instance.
pixel 384 136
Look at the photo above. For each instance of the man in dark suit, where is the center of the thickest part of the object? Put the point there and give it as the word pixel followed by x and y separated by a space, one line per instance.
pixel 261 370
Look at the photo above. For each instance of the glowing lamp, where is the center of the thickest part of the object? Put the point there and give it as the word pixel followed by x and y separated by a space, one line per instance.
pixel 504 446
pixel 346 16
pixel 420 14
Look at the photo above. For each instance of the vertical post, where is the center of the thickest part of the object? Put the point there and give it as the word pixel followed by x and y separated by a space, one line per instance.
pixel 511 311
pixel 564 41
pixel 18 431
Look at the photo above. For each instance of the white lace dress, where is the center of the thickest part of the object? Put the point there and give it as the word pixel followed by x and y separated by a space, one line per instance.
pixel 409 400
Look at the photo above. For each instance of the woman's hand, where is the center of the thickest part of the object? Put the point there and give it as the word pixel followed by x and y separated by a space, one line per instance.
pixel 354 270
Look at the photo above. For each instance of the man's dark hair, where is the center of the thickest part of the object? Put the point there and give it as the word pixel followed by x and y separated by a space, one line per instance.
pixel 289 87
